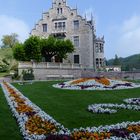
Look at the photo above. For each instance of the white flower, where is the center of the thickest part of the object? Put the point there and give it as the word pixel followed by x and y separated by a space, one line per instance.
pixel 92 84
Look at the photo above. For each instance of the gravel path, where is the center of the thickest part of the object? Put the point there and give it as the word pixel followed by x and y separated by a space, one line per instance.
pixel 7 79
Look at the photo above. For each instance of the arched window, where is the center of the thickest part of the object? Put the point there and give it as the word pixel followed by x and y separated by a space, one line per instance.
pixel 59 10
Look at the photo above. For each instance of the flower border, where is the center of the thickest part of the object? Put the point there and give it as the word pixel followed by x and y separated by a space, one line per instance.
pixel 89 132
pixel 133 104
pixel 96 83
pixel 22 118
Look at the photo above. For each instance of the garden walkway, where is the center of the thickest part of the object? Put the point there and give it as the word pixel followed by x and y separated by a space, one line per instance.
pixel 7 79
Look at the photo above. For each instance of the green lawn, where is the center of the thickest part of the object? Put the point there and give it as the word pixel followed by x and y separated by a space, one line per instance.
pixel 69 107
pixel 9 129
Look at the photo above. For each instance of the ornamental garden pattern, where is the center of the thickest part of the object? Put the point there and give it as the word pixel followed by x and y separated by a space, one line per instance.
pixel 35 124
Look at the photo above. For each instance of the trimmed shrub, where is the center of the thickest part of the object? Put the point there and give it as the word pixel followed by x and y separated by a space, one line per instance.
pixel 28 75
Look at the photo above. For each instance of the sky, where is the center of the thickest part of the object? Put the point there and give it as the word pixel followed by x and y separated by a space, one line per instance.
pixel 117 20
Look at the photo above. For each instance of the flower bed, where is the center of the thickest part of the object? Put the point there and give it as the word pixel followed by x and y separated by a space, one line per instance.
pixel 135 101
pixel 96 83
pixel 37 125
pixel 33 122
pixel 120 131
pixel 133 104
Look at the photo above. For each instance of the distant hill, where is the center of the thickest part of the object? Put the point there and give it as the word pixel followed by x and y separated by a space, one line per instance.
pixel 128 63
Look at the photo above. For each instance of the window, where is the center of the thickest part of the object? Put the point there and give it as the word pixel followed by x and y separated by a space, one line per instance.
pixel 76 41
pixel 63 25
pixel 97 62
pixel 59 10
pixel 101 48
pixel 100 61
pixel 55 25
pixel 96 48
pixel 60 25
pixel 76 24
pixel 76 59
pixel 44 27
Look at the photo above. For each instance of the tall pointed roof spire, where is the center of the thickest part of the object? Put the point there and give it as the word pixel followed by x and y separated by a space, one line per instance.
pixel 91 18
pixel 85 16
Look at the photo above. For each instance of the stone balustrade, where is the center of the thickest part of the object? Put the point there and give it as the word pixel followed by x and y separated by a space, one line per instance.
pixel 43 65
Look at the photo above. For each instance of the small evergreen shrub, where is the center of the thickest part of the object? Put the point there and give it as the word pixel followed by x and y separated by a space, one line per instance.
pixel 3 68
pixel 28 75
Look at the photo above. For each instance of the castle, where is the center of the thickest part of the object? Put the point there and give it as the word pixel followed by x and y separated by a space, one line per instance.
pixel 64 23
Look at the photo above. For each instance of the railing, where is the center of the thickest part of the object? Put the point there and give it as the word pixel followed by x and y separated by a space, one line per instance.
pixel 43 65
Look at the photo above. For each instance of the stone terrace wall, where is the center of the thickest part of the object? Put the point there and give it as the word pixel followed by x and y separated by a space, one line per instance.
pixel 55 73
pixel 44 71
pixel 120 75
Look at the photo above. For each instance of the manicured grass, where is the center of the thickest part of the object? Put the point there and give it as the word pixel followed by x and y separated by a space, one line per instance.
pixel 69 107
pixel 8 127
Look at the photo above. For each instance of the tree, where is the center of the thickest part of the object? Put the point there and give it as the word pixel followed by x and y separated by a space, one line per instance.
pixel 32 48
pixel 10 40
pixel 48 48
pixel 18 52
pixel 55 47
pixel 35 48
pixel 65 48
pixel 116 61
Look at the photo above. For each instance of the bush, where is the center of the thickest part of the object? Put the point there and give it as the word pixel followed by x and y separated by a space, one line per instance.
pixel 28 75
pixel 3 68
pixel 15 76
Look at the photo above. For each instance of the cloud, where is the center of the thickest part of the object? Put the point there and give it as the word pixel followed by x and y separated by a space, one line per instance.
pixel 129 37
pixel 10 25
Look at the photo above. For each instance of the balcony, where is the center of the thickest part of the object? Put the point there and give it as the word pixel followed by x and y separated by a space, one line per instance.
pixel 60 32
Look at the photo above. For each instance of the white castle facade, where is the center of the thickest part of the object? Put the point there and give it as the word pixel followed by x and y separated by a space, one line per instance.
pixel 63 22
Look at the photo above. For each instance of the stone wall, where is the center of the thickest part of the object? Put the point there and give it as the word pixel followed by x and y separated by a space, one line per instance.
pixel 47 74
pixel 44 71
pixel 120 75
